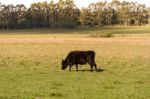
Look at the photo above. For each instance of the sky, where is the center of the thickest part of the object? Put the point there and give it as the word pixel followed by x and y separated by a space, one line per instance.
pixel 79 3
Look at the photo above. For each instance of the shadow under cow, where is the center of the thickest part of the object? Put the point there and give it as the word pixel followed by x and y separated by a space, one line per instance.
pixel 89 70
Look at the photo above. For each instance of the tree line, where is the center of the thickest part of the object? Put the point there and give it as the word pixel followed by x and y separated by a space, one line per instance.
pixel 65 14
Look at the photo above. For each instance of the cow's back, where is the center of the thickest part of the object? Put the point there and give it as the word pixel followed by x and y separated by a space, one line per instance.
pixel 91 53
pixel 81 54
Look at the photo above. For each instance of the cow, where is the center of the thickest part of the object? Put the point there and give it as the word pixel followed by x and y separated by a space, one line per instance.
pixel 79 57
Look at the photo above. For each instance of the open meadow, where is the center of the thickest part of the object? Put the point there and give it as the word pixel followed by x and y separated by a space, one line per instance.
pixel 30 63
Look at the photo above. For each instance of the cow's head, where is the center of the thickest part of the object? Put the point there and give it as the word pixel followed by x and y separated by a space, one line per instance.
pixel 64 64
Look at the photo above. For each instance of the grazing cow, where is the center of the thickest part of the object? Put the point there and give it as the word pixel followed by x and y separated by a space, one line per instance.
pixel 79 57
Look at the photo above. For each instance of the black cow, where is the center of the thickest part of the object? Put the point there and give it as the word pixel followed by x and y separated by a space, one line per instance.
pixel 79 57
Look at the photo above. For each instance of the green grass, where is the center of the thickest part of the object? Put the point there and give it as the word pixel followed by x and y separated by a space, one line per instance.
pixel 123 31
pixel 30 66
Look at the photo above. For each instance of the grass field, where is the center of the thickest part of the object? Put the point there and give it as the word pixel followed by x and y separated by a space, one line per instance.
pixel 30 64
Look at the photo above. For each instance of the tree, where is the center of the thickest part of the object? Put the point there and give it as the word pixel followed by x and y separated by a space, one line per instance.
pixel 71 14
pixel 65 14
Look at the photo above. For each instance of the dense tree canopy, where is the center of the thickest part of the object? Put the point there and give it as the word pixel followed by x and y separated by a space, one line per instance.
pixel 65 14
pixel 115 12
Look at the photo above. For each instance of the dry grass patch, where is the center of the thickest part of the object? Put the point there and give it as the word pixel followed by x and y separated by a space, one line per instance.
pixel 101 35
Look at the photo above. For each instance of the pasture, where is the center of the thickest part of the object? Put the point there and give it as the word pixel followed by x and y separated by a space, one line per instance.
pixel 30 64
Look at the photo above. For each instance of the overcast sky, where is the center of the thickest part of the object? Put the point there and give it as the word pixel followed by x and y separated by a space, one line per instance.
pixel 79 3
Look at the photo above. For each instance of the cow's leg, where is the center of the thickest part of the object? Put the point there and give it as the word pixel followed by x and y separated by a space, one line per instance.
pixel 70 65
pixel 91 67
pixel 95 66
pixel 76 67
pixel 91 64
